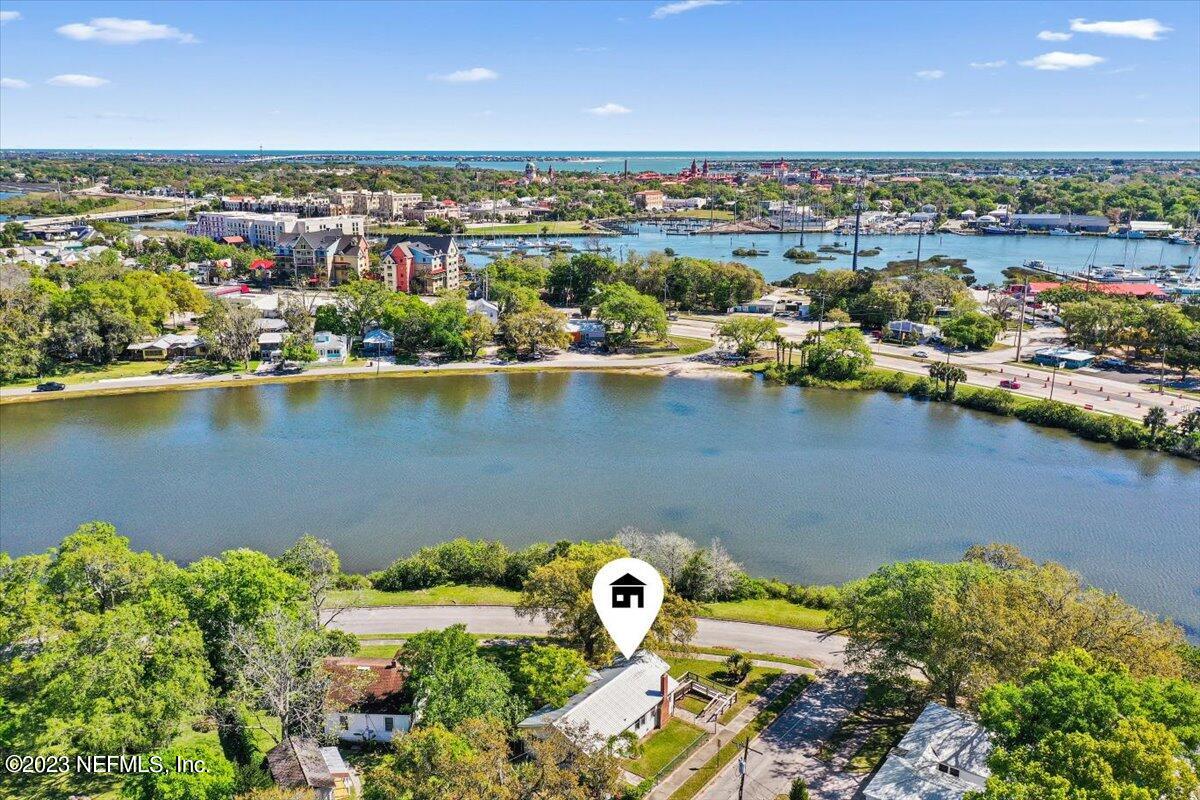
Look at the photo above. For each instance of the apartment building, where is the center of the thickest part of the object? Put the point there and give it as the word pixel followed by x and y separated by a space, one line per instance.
pixel 649 200
pixel 267 230
pixel 386 205
pixel 329 256
pixel 422 264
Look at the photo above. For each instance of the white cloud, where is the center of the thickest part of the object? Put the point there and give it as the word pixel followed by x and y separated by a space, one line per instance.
pixel 9 16
pixel 608 110
pixel 1148 29
pixel 989 64
pixel 670 9
pixel 930 74
pixel 77 81
pixel 114 30
pixel 13 83
pixel 1058 61
pixel 472 75
pixel 1054 36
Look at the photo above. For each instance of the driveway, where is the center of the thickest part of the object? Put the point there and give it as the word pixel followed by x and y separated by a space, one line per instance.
pixel 749 637
pixel 786 750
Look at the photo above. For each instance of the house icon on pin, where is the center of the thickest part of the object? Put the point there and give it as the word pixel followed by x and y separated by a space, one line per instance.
pixel 625 590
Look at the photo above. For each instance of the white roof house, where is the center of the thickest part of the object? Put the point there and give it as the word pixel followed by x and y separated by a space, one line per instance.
pixel 942 757
pixel 331 346
pixel 627 696
pixel 485 307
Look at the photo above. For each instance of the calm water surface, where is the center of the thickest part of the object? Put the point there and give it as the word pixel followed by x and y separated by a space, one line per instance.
pixel 804 484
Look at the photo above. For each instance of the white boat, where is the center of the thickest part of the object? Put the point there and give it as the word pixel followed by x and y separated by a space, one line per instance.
pixel 1182 239
pixel 1116 274
pixel 1064 232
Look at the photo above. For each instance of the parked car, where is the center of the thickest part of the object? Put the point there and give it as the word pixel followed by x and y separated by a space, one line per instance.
pixel 50 386
pixel 920 354
pixel 1010 384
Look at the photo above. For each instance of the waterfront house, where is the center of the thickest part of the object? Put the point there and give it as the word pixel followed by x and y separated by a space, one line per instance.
pixel 331 346
pixel 378 342
pixel 586 332
pixel 298 763
pixel 634 695
pixel 372 692
pixel 270 344
pixel 942 757
pixel 170 345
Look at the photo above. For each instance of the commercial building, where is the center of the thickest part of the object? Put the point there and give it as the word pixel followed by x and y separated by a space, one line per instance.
pixel 1048 222
pixel 1066 357
pixel 648 200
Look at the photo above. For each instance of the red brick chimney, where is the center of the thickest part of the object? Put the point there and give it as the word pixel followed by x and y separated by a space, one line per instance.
pixel 664 705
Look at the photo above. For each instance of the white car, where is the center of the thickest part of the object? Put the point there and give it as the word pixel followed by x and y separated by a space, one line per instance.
pixel 920 354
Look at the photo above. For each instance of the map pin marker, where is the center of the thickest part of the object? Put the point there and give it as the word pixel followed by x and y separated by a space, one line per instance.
pixel 627 594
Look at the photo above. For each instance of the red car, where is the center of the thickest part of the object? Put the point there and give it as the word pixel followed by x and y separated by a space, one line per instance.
pixel 1007 384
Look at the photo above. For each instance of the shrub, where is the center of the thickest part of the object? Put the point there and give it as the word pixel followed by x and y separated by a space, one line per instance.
pixel 458 561
pixel 823 597
pixel 922 388
pixel 997 401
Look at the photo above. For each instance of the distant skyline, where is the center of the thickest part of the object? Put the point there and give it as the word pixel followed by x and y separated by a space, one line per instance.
pixel 692 75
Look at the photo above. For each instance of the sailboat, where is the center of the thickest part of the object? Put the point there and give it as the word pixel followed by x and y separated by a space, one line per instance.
pixel 1064 232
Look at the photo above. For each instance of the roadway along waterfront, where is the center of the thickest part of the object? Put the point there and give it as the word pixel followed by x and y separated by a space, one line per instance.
pixel 745 636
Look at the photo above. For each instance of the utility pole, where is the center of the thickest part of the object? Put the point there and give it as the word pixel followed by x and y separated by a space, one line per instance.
pixel 1021 318
pixel 858 209
pixel 920 233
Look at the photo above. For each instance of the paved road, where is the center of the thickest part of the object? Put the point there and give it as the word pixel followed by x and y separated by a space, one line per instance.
pixel 787 748
pixel 826 650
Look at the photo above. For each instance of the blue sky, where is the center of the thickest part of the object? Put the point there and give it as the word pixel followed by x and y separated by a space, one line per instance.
pixel 687 75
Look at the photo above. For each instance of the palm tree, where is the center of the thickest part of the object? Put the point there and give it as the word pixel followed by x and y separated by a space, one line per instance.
pixel 1155 420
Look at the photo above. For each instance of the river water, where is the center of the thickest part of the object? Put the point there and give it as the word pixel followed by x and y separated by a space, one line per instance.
pixel 806 485
pixel 987 255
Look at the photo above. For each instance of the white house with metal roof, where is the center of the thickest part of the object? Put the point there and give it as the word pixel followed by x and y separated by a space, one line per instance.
pixel 942 757
pixel 635 695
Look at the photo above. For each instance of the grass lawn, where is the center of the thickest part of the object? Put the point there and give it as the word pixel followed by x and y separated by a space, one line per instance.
pixel 677 346
pixel 770 611
pixel 695 705
pixel 702 213
pixel 878 724
pixel 662 746
pixel 730 750
pixel 88 373
pixel 725 651
pixel 437 596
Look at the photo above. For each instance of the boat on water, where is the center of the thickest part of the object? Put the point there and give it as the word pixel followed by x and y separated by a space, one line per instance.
pixel 1115 274
pixel 1000 230
pixel 1064 232
pixel 1183 240
pixel 1127 234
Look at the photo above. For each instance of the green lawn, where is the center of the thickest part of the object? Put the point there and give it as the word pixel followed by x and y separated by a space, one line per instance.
pixel 88 373
pixel 770 611
pixel 450 595
pixel 718 215
pixel 725 651
pixel 695 705
pixel 678 346
pixel 730 750
pixel 662 746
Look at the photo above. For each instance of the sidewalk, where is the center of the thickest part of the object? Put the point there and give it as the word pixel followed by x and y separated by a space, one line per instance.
pixel 724 734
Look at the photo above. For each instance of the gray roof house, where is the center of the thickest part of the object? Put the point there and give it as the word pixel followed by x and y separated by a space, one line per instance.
pixel 632 695
pixel 298 763
pixel 942 757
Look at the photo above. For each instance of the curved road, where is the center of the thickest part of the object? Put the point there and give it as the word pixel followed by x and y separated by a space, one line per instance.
pixel 746 636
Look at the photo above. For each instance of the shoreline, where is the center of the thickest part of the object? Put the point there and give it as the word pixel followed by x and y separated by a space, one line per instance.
pixel 675 369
